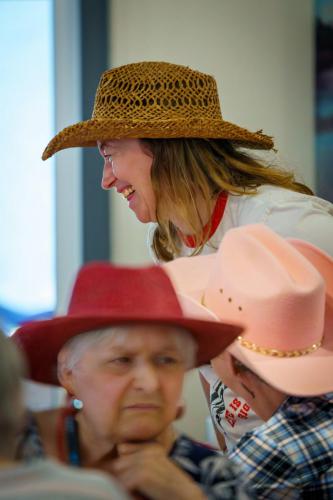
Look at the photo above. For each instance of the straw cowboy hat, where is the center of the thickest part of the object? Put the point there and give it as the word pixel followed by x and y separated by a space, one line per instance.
pixel 155 100
pixel 282 291
pixel 105 295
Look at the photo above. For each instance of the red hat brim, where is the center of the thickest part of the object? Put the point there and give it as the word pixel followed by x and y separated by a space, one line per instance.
pixel 41 341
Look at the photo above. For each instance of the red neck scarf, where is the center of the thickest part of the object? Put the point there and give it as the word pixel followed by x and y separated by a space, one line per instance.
pixel 211 226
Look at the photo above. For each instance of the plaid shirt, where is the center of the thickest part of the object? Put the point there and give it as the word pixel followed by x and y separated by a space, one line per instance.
pixel 291 455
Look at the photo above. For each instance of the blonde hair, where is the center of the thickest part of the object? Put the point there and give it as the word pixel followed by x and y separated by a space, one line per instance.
pixel 184 169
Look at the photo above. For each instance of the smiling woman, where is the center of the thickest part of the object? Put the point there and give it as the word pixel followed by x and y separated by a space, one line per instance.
pixel 123 352
pixel 181 165
pixel 127 168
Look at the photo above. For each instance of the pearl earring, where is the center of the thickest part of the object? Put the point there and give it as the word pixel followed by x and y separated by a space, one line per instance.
pixel 77 404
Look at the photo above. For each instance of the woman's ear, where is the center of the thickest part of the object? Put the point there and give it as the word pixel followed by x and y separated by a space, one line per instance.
pixel 65 374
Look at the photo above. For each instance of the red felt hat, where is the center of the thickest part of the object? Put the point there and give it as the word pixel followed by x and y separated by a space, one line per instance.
pixel 105 295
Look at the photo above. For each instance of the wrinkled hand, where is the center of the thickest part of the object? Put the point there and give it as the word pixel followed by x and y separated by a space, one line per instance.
pixel 146 469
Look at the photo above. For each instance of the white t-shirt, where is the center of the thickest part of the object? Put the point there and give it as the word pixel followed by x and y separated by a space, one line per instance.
pixel 291 215
pixel 288 213
pixel 231 414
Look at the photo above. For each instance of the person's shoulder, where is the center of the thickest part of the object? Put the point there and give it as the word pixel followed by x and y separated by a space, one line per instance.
pixel 310 416
pixel 250 207
pixel 40 479
pixel 267 194
pixel 290 213
pixel 79 481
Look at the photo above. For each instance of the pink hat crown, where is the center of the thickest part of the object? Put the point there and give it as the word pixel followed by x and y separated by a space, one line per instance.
pixel 263 281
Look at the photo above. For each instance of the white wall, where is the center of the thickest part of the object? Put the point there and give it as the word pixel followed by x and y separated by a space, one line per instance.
pixel 261 53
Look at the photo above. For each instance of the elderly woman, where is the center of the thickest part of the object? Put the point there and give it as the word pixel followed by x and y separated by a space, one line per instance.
pixel 122 351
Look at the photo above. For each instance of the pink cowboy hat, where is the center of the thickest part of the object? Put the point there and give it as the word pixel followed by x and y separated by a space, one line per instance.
pixel 105 295
pixel 282 291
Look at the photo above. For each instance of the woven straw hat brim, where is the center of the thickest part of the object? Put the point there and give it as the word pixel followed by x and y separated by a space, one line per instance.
pixel 87 133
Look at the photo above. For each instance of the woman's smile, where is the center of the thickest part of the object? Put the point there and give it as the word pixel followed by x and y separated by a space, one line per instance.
pixel 128 192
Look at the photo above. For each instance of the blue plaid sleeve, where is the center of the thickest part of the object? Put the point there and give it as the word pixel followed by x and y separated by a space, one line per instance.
pixel 291 455
pixel 267 468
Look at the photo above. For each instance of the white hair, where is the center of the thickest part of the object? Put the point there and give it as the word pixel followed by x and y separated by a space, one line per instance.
pixel 78 345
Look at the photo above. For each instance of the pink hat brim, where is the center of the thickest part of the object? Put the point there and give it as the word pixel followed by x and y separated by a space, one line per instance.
pixel 306 375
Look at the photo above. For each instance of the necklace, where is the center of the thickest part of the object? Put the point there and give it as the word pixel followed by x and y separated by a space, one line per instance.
pixel 210 227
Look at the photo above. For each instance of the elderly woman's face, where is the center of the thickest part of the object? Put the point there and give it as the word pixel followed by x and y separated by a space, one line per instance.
pixel 127 167
pixel 130 384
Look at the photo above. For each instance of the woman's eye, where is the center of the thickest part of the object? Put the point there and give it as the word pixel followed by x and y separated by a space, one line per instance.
pixel 122 361
pixel 166 360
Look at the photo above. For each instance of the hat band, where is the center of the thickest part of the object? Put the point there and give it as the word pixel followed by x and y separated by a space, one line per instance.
pixel 266 351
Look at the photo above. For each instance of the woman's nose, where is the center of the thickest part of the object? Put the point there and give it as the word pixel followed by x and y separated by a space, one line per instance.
pixel 108 177
pixel 146 378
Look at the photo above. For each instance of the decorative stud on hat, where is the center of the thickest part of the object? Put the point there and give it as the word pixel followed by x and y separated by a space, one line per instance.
pixel 155 100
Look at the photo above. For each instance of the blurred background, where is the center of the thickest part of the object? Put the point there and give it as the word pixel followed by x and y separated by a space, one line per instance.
pixel 273 61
